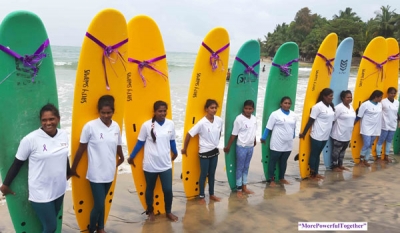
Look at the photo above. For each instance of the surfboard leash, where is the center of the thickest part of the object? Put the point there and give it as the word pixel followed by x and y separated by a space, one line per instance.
pixel 31 62
pixel 148 64
pixel 214 57
pixel 107 51
pixel 285 68
pixel 249 69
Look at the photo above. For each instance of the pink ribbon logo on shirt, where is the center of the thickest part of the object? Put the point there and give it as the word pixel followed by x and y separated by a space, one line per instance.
pixel 44 147
pixel 101 136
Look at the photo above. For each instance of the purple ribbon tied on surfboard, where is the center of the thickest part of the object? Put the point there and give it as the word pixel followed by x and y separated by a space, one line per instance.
pixel 107 52
pixel 328 62
pixel 249 69
pixel 378 65
pixel 285 68
pixel 148 64
pixel 214 57
pixel 394 57
pixel 31 62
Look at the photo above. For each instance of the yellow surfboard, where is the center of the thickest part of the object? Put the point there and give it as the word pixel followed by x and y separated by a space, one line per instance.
pixel 391 79
pixel 320 78
pixel 145 86
pixel 369 78
pixel 92 81
pixel 208 82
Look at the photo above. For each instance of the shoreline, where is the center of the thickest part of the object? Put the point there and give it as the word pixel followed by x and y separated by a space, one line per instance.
pixel 359 195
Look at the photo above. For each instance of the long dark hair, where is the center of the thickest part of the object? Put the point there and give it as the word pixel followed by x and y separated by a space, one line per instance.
pixel 286 98
pixel 49 108
pixel 376 93
pixel 106 101
pixel 344 93
pixel 156 106
pixel 325 92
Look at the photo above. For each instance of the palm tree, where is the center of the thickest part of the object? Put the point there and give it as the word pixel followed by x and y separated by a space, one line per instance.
pixel 385 20
pixel 348 13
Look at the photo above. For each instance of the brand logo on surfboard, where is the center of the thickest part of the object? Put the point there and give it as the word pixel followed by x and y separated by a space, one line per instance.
pixel 343 65
pixel 245 78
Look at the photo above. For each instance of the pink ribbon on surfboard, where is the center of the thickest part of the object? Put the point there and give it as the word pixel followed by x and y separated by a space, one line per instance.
pixel 394 57
pixel 32 62
pixel 249 69
pixel 285 68
pixel 328 62
pixel 148 64
pixel 214 57
pixel 107 51
pixel 379 66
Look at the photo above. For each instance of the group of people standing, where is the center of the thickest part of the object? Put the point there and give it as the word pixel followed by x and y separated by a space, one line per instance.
pixel 49 168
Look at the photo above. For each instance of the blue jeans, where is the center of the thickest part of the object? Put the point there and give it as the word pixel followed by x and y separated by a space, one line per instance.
pixel 207 167
pixel 316 149
pixel 281 158
pixel 166 184
pixel 243 157
pixel 367 146
pixel 47 213
pixel 386 136
pixel 99 192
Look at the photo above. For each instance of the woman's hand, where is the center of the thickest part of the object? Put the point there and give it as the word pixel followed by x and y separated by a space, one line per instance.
pixel 301 135
pixel 130 161
pixel 183 151
pixel 73 173
pixel 262 141
pixel 6 190
pixel 174 157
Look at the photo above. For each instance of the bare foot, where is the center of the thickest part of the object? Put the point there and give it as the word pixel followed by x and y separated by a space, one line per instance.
pixel 239 194
pixel 272 184
pixel 101 231
pixel 202 201
pixel 344 168
pixel 151 217
pixel 318 176
pixel 337 169
pixel 283 181
pixel 248 191
pixel 172 217
pixel 215 198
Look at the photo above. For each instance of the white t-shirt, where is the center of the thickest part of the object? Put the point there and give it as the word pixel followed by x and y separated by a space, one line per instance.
pixel 245 129
pixel 344 123
pixel 324 116
pixel 102 149
pixel 371 118
pixel 209 133
pixel 47 168
pixel 389 114
pixel 157 155
pixel 282 127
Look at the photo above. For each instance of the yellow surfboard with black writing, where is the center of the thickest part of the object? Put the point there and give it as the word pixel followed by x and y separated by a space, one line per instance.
pixel 145 86
pixel 208 82
pixel 93 80
pixel 370 77
pixel 320 78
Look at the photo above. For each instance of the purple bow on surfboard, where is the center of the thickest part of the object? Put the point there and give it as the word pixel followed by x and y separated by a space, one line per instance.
pixel 107 51
pixel 249 69
pixel 378 65
pixel 31 62
pixel 328 62
pixel 394 57
pixel 214 57
pixel 285 68
pixel 148 64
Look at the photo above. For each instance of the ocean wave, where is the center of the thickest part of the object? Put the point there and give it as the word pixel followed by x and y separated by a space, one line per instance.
pixel 305 69
pixel 65 64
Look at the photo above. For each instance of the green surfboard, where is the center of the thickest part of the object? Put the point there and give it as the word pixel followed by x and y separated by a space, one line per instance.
pixel 242 86
pixel 22 94
pixel 279 84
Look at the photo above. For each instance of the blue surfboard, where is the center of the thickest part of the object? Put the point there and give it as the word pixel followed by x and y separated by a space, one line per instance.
pixel 339 82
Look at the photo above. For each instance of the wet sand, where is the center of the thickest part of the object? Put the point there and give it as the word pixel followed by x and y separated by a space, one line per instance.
pixel 359 195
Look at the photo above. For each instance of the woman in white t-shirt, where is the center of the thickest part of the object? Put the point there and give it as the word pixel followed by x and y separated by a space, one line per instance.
pixel 390 122
pixel 370 113
pixel 321 119
pixel 244 129
pixel 157 135
pixel 102 140
pixel 282 123
pixel 46 150
pixel 342 130
pixel 209 130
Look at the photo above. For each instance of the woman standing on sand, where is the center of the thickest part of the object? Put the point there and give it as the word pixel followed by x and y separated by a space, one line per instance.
pixel 102 140
pixel 282 123
pixel 370 113
pixel 244 129
pixel 209 129
pixel 48 167
pixel 342 129
pixel 321 118
pixel 390 122
pixel 157 135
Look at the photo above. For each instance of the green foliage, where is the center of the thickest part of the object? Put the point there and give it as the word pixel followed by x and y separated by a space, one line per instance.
pixel 308 30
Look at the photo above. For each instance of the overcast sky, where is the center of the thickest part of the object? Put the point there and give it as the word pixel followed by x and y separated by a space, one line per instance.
pixel 184 23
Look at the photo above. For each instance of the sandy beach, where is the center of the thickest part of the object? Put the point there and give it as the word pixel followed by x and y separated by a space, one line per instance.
pixel 358 195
